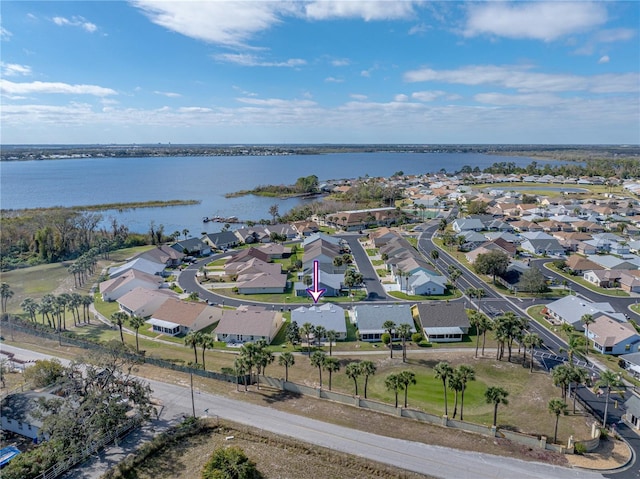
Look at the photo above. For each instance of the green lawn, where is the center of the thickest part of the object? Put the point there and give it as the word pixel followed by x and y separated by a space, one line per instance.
pixel 449 294
pixel 377 262
pixel 290 298
pixel 382 272
pixel 583 282
pixel 372 251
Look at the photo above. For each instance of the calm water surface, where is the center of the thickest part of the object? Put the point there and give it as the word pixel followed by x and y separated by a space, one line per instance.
pixel 31 184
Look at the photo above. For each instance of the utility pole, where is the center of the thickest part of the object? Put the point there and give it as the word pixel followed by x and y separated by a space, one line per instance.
pixel 193 404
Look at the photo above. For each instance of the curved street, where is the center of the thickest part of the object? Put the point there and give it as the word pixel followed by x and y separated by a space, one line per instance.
pixel 493 303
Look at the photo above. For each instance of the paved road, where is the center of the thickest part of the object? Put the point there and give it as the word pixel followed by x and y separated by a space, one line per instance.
pixel 418 457
pixel 375 290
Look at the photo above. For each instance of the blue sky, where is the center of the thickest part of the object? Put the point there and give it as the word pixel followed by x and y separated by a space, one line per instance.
pixel 149 71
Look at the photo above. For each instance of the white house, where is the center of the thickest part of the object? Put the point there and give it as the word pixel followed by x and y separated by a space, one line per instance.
pixel 613 337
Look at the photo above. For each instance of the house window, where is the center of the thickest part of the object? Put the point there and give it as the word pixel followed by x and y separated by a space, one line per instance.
pixel 608 349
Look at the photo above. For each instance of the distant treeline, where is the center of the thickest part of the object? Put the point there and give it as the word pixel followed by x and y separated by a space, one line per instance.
pixel 306 185
pixel 621 168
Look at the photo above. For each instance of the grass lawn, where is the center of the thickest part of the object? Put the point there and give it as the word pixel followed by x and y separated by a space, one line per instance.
pixel 536 188
pixel 382 272
pixel 34 282
pixel 377 262
pixel 372 251
pixel 449 294
pixel 583 282
pixel 290 298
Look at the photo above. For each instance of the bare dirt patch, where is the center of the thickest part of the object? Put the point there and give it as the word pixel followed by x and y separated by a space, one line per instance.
pixel 610 454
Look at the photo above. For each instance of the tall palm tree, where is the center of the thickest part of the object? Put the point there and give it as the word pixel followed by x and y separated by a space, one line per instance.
pixel 531 341
pixel 332 336
pixel 353 370
pixel 608 380
pixel 587 319
pixel 393 383
pixel 367 368
pixel 308 330
pixel 5 294
pixel 404 332
pixel 87 301
pixel 206 342
pixel 241 368
pixel 561 376
pixel 30 307
pixel 389 326
pixel 578 377
pixel 477 293
pixel 443 371
pixel 320 333
pixel 407 378
pixel 75 301
pixel 249 352
pixel 557 407
pixel 474 320
pixel 317 360
pixel 466 374
pixel 262 360
pixel 118 318
pixel 496 396
pixel 331 365
pixel 192 339
pixel 287 360
pixel 455 384
pixel 577 343
pixel 136 322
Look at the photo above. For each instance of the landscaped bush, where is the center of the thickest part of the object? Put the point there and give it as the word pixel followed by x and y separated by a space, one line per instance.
pixel 579 448
pixel 230 463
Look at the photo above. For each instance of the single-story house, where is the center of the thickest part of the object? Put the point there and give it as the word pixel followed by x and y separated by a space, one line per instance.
pixel 332 283
pixel 547 247
pixel 248 324
pixel 570 310
pixel 442 322
pixel 630 280
pixel 467 224
pixel 261 283
pixel 113 289
pixel 579 264
pixel 632 363
pixel 144 302
pixel 613 337
pixel 222 240
pixel 604 278
pixel 275 250
pixel 328 315
pixel 16 414
pixel 179 317
pixel 163 254
pixel 421 283
pixel 370 318
pixel 321 237
pixel 139 264
pixel 192 246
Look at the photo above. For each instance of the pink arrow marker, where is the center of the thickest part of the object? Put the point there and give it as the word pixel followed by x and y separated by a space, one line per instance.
pixel 315 293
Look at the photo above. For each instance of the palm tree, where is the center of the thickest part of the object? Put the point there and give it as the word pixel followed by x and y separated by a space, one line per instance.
pixel 367 368
pixel 576 344
pixel 30 307
pixel 496 396
pixel 118 318
pixel 389 326
pixel 185 232
pixel 562 377
pixel 274 211
pixel 249 352
pixel 317 360
pixel 241 368
pixel 353 370
pixel 320 333
pixel 393 383
pixel 466 374
pixel 455 384
pixel 443 371
pixel 557 407
pixel 136 322
pixel 87 301
pixel 477 293
pixel 5 294
pixel 404 332
pixel 262 360
pixel 587 319
pixel 407 378
pixel 287 360
pixel 475 317
pixel 608 380
pixel 206 342
pixel 308 330
pixel 331 365
pixel 332 336
pixel 578 377
pixel 531 341
pixel 192 339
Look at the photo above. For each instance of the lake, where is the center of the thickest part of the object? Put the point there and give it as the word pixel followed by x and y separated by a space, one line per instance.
pixel 91 181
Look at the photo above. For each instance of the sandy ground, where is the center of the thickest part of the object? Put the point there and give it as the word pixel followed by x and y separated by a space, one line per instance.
pixel 609 455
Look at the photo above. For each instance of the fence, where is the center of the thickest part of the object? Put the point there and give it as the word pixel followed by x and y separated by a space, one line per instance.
pixel 62 467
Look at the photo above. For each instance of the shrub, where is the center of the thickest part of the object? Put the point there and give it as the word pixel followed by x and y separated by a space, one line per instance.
pixel 44 372
pixel 416 337
pixel 579 448
pixel 230 463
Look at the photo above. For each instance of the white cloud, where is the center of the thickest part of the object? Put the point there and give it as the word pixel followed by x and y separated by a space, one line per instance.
pixel 333 80
pixel 75 21
pixel 14 69
pixel 614 35
pixel 427 95
pixel 524 80
pixel 420 28
pixel 358 97
pixel 534 100
pixel 367 10
pixel 168 94
pixel 343 62
pixel 13 88
pixel 250 60
pixel 227 23
pixel 545 21
pixel 401 97
pixel 194 109
pixel 277 102
pixel 5 34
pixel 604 59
